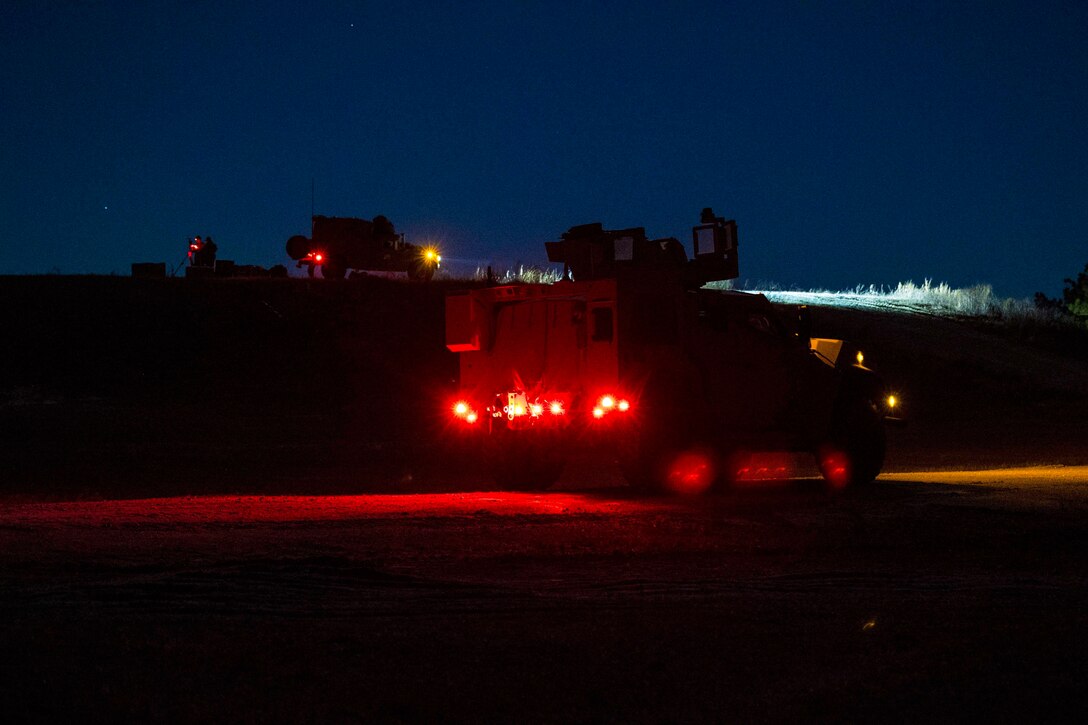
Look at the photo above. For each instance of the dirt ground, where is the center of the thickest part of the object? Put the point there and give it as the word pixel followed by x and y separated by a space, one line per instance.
pixel 235 502
pixel 932 597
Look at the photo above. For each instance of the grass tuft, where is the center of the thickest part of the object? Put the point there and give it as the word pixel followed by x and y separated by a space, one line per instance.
pixel 530 274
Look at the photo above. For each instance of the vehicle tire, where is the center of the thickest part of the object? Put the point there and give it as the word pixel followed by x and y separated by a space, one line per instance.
pixel 645 451
pixel 333 269
pixel 659 453
pixel 854 452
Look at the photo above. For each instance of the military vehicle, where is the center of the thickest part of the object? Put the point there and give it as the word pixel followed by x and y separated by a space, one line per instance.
pixel 202 251
pixel 630 356
pixel 339 244
pixel 202 259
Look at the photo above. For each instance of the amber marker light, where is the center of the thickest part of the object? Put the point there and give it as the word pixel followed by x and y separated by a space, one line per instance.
pixel 861 358
pixel 892 401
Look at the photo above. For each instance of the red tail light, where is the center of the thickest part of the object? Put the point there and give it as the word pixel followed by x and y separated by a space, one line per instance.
pixel 461 409
pixel 609 403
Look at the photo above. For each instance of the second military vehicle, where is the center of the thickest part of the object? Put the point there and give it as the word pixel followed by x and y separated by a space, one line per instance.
pixel 629 353
pixel 339 244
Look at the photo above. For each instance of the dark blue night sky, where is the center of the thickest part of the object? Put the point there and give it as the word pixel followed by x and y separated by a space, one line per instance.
pixel 853 142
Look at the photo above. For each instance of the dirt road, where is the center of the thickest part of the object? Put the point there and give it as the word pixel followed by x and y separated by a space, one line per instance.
pixel 935 595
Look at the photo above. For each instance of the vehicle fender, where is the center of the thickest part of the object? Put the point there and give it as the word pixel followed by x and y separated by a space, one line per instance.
pixel 858 381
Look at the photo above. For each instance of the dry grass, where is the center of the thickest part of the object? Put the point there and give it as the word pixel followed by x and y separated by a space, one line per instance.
pixel 530 274
pixel 977 301
pixel 940 299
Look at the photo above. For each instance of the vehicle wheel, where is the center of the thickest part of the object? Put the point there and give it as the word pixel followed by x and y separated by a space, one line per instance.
pixel 854 453
pixel 647 449
pixel 659 453
pixel 333 269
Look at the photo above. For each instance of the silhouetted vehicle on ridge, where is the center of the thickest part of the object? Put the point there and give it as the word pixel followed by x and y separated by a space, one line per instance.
pixel 339 244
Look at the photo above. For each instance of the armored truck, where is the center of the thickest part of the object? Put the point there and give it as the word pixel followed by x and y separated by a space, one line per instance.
pixel 632 356
pixel 339 244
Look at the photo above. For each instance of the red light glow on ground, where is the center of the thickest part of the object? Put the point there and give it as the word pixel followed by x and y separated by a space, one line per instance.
pixel 766 467
pixel 836 468
pixel 691 473
pixel 261 509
